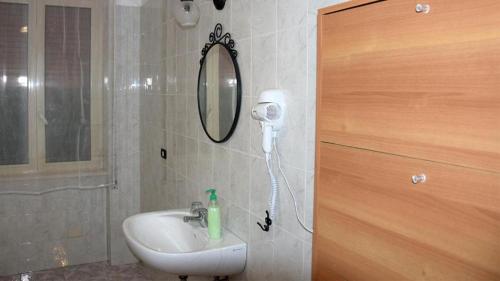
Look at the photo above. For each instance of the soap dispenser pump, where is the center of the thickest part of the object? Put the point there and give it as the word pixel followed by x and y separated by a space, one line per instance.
pixel 214 217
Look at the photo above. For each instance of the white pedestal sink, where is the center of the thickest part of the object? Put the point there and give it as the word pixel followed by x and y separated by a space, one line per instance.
pixel 164 241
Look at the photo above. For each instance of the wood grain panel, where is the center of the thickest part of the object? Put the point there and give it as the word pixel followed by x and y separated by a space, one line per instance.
pixel 349 4
pixel 372 223
pixel 420 85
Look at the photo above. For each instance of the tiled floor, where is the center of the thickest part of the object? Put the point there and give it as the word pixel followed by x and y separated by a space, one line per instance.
pixel 101 272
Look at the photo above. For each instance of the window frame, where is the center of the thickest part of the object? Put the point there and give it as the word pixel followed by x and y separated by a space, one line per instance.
pixel 36 91
pixel 31 165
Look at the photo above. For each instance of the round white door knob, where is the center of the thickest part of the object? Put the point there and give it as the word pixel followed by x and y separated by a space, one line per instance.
pixel 418 178
pixel 422 8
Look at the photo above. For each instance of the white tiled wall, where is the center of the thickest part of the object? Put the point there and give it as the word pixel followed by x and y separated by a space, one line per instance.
pixel 276 42
pixel 125 200
pixel 153 107
pixel 51 230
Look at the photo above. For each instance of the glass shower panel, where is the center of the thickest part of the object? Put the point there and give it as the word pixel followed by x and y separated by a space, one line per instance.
pixel 67 84
pixel 56 95
pixel 14 84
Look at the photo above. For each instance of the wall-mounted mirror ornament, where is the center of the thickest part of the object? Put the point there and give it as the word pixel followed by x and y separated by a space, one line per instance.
pixel 219 86
pixel 219 4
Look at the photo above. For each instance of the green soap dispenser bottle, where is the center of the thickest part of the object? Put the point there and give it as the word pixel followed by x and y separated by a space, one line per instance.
pixel 214 218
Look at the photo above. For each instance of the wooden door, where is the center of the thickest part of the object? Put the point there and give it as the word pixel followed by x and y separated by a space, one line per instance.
pixel 402 93
pixel 415 84
pixel 373 223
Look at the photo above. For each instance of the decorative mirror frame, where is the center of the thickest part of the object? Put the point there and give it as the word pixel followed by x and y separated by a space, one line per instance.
pixel 217 38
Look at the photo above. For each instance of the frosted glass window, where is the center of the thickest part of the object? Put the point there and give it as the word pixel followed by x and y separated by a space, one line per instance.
pixel 14 128
pixel 67 84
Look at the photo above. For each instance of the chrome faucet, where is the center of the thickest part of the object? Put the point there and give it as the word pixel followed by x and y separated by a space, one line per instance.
pixel 200 214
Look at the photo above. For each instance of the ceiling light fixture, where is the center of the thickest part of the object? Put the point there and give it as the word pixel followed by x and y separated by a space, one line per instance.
pixel 187 13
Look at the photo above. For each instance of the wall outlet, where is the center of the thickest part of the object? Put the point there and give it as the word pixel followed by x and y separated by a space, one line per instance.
pixel 163 153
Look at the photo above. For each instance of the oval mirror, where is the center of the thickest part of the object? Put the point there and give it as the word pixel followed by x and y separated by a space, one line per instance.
pixel 219 87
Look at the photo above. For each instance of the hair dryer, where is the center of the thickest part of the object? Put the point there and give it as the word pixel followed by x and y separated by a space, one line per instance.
pixel 266 113
pixel 270 111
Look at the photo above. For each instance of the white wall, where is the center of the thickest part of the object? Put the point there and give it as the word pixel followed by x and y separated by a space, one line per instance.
pixel 124 201
pixel 51 230
pixel 276 41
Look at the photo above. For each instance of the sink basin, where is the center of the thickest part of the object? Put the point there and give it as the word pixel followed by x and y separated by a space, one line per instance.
pixel 164 241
